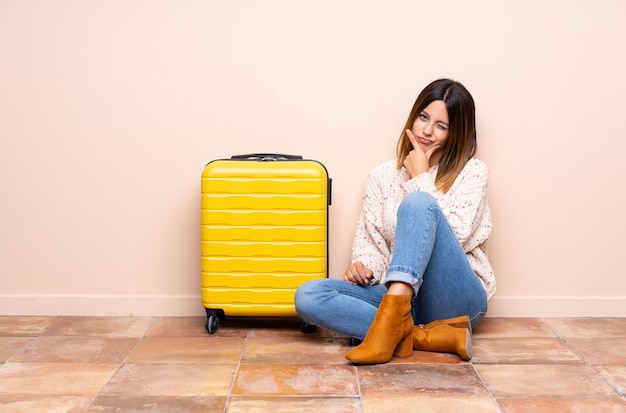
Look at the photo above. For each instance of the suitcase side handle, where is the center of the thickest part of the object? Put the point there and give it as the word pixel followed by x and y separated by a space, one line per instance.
pixel 267 157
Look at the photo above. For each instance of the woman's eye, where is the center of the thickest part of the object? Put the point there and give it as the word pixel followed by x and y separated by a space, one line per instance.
pixel 442 127
pixel 423 116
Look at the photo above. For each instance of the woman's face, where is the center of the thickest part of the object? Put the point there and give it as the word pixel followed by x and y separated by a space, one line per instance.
pixel 431 128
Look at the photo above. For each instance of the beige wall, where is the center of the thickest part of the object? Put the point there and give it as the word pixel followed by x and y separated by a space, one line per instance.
pixel 110 109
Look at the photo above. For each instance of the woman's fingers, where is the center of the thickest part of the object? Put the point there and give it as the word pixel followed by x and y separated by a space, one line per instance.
pixel 431 150
pixel 413 139
pixel 357 273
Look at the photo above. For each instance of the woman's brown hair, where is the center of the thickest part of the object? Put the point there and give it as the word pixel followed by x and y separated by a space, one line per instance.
pixel 461 143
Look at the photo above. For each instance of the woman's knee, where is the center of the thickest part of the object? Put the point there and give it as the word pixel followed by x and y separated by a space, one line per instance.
pixel 417 201
pixel 302 293
pixel 307 293
pixel 311 287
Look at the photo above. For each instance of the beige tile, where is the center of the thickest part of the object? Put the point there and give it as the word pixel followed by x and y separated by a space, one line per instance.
pixel 322 332
pixel 400 379
pixel 101 326
pixel 294 405
pixel 162 350
pixel 296 380
pixel 137 380
pixel 24 326
pixel 286 327
pixel 544 380
pixel 194 327
pixel 275 326
pixel 612 405
pixel 21 403
pixel 267 364
pixel 432 403
pixel 616 376
pixel 76 350
pixel 522 350
pixel 587 327
pixel 178 327
pixel 158 404
pixel 9 346
pixel 511 328
pixel 55 378
pixel 600 350
pixel 295 350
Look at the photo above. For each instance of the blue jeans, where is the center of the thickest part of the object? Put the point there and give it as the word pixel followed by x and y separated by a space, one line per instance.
pixel 427 255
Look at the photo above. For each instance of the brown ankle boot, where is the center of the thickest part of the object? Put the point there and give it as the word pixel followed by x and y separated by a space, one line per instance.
pixel 444 339
pixel 459 322
pixel 390 333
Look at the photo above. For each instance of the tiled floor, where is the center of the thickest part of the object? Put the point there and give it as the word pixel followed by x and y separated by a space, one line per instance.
pixel 144 364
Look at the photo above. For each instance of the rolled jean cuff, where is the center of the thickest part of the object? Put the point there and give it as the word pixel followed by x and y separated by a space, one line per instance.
pixel 404 277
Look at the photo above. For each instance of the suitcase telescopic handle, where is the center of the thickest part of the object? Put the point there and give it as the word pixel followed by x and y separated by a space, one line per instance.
pixel 267 157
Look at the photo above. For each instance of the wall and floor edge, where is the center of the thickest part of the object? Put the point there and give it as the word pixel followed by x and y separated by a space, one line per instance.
pixel 191 305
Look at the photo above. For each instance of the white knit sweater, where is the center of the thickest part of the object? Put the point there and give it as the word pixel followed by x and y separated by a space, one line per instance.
pixel 465 207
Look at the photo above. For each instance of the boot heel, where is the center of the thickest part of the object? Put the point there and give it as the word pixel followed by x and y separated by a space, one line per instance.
pixel 466 353
pixel 405 347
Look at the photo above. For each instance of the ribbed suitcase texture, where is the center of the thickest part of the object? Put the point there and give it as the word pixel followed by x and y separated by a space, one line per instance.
pixel 264 232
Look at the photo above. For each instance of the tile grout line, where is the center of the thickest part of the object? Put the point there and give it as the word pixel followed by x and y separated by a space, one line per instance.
pixel 602 376
pixel 482 380
pixel 33 339
pixel 122 363
pixel 358 386
pixel 584 360
pixel 21 350
pixel 232 383
pixel 57 321
pixel 564 341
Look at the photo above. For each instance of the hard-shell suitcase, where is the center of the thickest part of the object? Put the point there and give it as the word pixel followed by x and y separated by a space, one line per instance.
pixel 264 232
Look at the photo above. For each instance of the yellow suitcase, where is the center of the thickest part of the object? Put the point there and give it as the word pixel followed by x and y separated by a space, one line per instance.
pixel 264 232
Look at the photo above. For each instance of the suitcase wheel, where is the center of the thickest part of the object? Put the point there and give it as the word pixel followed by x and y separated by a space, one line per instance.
pixel 213 315
pixel 307 328
pixel 212 322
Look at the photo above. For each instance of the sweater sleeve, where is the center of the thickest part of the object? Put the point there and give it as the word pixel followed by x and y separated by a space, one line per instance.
pixel 369 245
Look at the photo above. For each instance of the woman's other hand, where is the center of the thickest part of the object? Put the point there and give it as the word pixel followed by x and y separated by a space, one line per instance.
pixel 358 274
